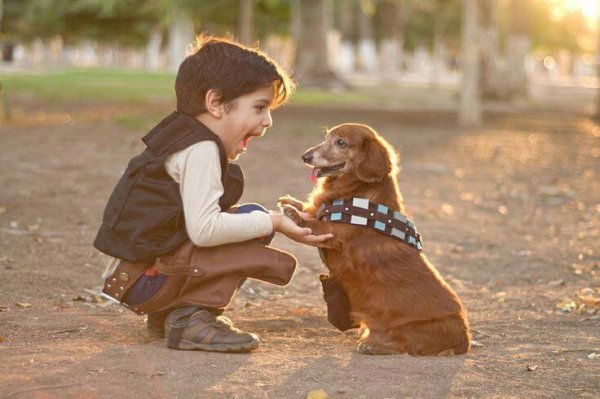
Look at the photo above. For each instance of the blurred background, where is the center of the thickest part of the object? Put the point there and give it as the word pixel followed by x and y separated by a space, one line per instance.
pixel 464 51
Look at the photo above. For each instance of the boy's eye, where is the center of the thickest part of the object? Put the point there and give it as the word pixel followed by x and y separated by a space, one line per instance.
pixel 340 143
pixel 261 107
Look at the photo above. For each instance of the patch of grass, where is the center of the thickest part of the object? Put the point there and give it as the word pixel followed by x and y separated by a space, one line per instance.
pixel 92 85
pixel 322 97
pixel 135 87
pixel 139 121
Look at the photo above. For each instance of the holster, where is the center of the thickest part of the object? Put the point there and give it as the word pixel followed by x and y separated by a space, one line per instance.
pixel 215 273
pixel 123 278
pixel 338 305
pixel 205 276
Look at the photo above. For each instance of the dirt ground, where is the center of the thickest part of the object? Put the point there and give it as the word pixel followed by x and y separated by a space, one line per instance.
pixel 510 215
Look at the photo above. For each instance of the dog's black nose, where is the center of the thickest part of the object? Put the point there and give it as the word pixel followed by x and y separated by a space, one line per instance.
pixel 307 158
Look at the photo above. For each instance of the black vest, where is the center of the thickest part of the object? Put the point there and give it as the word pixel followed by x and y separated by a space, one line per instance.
pixel 144 216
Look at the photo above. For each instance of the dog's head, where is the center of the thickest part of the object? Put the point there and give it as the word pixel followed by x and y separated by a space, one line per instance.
pixel 353 149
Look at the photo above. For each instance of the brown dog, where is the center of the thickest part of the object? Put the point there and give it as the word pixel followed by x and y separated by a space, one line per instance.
pixel 399 298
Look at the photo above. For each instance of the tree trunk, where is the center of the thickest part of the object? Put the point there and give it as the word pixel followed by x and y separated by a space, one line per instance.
pixel 492 83
pixel 312 58
pixel 246 25
pixel 391 42
pixel 470 101
pixel 296 21
pixel 598 95
pixel 151 61
pixel 181 34
pixel 518 45
pixel 2 109
pixel 346 60
pixel 440 55
pixel 598 73
pixel 367 52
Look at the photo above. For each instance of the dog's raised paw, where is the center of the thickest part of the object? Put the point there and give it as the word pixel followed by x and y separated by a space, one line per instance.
pixel 293 214
pixel 288 200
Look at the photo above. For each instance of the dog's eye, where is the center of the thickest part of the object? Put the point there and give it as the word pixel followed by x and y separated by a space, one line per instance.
pixel 340 143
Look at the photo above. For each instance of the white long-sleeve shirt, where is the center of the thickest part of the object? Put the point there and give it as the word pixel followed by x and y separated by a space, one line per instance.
pixel 197 169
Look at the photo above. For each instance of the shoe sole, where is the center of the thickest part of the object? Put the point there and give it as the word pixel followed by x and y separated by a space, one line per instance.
pixel 238 348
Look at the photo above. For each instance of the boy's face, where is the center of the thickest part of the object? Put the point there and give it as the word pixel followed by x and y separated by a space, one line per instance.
pixel 245 117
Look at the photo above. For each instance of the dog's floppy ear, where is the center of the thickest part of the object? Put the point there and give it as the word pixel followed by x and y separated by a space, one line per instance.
pixel 375 163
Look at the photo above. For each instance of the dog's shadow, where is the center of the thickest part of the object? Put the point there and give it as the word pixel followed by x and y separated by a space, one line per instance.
pixel 324 358
pixel 350 374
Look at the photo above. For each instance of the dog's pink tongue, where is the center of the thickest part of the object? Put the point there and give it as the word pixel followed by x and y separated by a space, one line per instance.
pixel 314 175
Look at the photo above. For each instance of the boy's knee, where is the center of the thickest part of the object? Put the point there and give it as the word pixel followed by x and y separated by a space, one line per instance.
pixel 247 208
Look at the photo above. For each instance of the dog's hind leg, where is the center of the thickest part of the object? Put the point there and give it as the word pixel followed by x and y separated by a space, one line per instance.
pixel 379 343
pixel 441 337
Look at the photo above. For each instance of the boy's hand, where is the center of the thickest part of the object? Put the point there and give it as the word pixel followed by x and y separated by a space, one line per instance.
pixel 285 225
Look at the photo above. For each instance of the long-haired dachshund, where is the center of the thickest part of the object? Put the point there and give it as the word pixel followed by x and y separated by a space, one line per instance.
pixel 399 298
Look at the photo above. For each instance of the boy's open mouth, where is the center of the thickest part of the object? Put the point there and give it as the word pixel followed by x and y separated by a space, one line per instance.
pixel 327 170
pixel 246 140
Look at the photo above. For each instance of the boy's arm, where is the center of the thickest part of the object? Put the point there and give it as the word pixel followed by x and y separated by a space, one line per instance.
pixel 198 171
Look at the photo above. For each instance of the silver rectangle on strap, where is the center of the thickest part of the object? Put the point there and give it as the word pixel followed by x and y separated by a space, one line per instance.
pixel 399 216
pixel 397 233
pixel 360 203
pixel 358 220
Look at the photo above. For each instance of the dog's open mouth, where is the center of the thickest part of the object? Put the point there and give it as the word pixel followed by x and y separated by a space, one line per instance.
pixel 327 170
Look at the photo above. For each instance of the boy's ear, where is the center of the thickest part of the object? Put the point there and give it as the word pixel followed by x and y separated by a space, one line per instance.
pixel 213 102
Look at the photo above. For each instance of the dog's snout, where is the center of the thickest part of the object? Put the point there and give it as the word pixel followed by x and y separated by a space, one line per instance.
pixel 307 158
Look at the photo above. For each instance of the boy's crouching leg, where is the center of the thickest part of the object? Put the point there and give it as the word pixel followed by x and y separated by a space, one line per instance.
pixel 193 328
pixel 155 323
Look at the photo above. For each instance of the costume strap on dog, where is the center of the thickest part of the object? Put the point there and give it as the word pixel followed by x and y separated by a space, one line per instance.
pixel 362 212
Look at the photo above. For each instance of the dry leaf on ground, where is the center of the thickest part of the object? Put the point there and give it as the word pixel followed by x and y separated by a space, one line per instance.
pixel 317 394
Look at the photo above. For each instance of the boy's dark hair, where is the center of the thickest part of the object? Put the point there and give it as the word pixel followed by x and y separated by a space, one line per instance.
pixel 232 69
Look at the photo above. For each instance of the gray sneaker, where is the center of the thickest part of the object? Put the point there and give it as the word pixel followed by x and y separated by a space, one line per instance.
pixel 192 328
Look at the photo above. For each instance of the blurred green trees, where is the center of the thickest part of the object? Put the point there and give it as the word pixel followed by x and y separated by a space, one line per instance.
pixel 371 34
pixel 422 22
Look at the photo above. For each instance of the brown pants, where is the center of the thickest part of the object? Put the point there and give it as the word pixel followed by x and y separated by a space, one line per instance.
pixel 203 276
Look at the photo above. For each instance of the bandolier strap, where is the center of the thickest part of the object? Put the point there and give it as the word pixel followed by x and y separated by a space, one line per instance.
pixel 362 212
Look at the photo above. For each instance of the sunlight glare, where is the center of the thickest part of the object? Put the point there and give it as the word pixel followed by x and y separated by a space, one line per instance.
pixel 589 8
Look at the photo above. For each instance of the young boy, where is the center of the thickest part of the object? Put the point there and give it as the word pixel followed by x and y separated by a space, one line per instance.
pixel 180 249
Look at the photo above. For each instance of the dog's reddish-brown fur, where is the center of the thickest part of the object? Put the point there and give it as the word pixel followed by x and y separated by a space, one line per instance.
pixel 395 293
